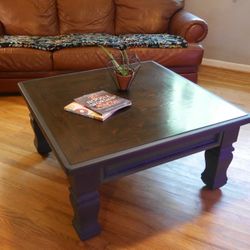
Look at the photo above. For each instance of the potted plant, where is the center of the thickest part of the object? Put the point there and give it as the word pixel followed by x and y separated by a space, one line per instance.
pixel 123 70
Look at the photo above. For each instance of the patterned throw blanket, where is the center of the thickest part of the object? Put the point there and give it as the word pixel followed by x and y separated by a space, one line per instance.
pixel 53 43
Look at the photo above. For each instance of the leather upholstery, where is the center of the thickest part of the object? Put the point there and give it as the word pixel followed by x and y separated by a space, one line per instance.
pixel 32 17
pixel 22 59
pixel 8 80
pixel 172 57
pixel 144 16
pixel 92 16
pixel 189 26
pixel 54 17
pixel 90 58
pixel 76 59
pixel 1 29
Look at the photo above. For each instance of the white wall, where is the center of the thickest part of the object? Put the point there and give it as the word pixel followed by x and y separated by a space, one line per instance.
pixel 229 28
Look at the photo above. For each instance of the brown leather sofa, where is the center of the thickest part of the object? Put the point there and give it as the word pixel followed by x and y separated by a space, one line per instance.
pixel 55 17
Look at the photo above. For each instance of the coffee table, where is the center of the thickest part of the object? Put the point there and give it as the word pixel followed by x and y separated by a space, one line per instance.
pixel 171 117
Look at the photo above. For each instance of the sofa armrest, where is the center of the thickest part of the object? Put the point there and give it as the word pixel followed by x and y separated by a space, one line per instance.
pixel 189 26
pixel 1 29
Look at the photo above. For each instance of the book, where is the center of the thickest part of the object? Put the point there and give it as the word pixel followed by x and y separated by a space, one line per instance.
pixel 103 102
pixel 99 105
pixel 77 108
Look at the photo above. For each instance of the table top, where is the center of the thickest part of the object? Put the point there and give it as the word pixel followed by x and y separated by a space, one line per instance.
pixel 164 106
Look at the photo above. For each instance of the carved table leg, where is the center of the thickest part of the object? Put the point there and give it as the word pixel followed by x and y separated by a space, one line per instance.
pixel 40 142
pixel 85 200
pixel 218 160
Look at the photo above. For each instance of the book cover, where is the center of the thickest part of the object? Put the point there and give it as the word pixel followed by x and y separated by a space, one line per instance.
pixel 103 102
pixel 81 110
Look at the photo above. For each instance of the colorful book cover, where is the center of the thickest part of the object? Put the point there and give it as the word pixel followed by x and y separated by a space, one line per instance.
pixel 103 102
pixel 81 110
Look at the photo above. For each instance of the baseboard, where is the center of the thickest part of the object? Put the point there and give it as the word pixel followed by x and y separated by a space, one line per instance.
pixel 226 65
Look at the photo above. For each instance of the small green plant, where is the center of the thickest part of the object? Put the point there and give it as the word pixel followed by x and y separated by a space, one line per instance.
pixel 122 68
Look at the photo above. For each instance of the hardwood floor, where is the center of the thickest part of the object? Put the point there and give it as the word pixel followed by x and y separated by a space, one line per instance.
pixel 166 207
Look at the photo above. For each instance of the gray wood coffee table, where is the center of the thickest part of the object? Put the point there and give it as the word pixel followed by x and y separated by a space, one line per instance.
pixel 170 118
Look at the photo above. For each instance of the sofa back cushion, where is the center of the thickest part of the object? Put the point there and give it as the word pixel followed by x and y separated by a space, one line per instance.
pixel 86 16
pixel 144 16
pixel 29 17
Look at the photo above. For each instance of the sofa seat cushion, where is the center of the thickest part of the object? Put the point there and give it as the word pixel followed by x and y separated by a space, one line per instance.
pixel 52 43
pixel 86 16
pixel 179 57
pixel 76 59
pixel 29 17
pixel 23 59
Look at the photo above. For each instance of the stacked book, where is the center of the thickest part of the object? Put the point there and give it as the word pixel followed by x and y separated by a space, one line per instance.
pixel 98 105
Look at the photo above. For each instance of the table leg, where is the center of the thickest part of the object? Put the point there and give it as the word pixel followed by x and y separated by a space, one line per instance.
pixel 85 201
pixel 218 160
pixel 40 142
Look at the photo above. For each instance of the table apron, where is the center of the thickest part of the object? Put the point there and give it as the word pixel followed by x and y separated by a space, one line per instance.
pixel 158 154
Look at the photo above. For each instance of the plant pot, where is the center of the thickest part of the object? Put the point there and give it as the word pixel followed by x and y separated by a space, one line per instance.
pixel 123 82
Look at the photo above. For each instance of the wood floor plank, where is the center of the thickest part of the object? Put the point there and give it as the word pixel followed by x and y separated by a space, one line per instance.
pixel 165 208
